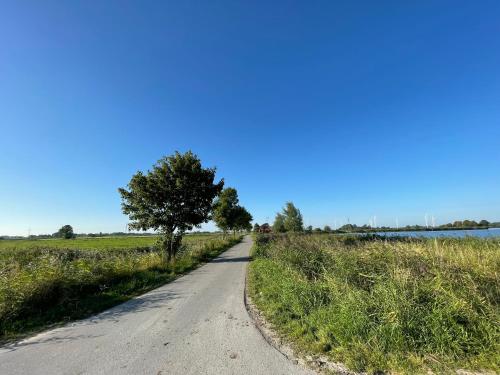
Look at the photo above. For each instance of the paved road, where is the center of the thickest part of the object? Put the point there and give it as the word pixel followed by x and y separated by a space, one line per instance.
pixel 197 324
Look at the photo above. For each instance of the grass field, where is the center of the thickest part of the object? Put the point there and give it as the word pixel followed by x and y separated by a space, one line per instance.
pixel 398 306
pixel 43 282
pixel 92 243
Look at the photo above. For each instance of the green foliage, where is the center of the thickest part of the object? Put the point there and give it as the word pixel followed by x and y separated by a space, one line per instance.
pixel 89 243
pixel 223 211
pixel 41 282
pixel 175 196
pixel 395 305
pixel 293 218
pixel 228 214
pixel 279 224
pixel 243 219
pixel 65 232
pixel 289 220
pixel 256 227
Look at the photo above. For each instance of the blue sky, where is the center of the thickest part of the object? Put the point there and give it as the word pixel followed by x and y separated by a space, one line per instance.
pixel 349 109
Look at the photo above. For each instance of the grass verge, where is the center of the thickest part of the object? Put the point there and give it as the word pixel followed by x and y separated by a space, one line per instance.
pixel 390 306
pixel 43 286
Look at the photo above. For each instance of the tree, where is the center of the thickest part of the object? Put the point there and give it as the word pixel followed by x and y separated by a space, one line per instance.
pixel 66 232
pixel 327 229
pixel 175 196
pixel 469 223
pixel 279 224
pixel 242 219
pixel 224 206
pixel 484 223
pixel 309 229
pixel 348 227
pixel 256 227
pixel 293 218
pixel 228 214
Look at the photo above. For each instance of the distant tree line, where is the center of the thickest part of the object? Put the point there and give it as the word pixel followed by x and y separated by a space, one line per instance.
pixel 456 225
pixel 290 220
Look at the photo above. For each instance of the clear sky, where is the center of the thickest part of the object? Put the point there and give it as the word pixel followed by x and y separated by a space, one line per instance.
pixel 349 109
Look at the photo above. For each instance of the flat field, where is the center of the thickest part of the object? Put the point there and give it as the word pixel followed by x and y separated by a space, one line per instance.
pixel 44 282
pixel 90 243
pixel 395 305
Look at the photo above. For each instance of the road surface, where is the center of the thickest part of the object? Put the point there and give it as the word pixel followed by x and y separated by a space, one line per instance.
pixel 197 324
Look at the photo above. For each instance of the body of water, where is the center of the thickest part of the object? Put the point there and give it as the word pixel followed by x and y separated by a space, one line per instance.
pixel 483 233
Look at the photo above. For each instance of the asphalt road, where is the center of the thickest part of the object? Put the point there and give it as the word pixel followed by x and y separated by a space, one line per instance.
pixel 197 324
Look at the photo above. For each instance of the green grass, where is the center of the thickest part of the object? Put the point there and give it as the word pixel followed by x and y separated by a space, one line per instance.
pixel 90 243
pixel 398 306
pixel 45 282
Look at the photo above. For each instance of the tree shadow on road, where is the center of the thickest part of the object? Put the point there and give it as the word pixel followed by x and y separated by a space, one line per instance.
pixel 70 332
pixel 232 260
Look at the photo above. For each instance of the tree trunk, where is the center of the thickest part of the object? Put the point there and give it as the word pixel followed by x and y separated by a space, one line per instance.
pixel 164 243
pixel 169 243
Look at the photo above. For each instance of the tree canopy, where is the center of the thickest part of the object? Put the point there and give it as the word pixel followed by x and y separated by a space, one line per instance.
pixel 279 224
pixel 243 219
pixel 288 220
pixel 228 214
pixel 224 206
pixel 292 218
pixel 173 197
pixel 66 231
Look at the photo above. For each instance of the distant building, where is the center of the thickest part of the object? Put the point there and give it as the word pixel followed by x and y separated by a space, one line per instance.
pixel 265 228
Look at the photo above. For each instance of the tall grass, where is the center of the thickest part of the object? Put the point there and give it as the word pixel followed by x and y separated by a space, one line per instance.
pixel 40 285
pixel 398 305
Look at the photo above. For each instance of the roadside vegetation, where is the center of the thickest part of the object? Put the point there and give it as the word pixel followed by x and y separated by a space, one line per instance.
pixel 383 305
pixel 44 282
pixel 52 281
